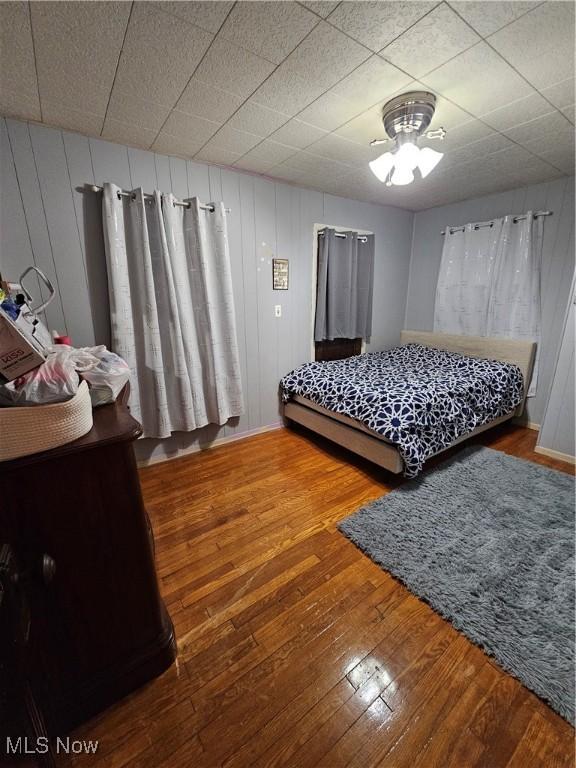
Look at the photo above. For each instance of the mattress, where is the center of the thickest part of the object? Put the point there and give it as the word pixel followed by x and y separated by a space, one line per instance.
pixel 418 398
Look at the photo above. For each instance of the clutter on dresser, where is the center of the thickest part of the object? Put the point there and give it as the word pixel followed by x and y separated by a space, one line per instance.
pixel 26 430
pixel 23 336
pixel 52 404
pixel 58 378
pixel 48 388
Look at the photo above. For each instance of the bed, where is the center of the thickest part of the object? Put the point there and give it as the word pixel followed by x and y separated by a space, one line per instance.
pixel 462 385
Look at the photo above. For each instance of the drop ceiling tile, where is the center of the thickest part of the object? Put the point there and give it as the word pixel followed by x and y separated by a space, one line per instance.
pixel 325 56
pixel 488 17
pixel 159 55
pixel 256 119
pixel 478 80
pixel 327 75
pixel 218 155
pixel 329 111
pixel 77 47
pixel 349 188
pixel 319 179
pixel 374 81
pixel 570 113
pixel 364 128
pixel 19 105
pixel 518 112
pixel 190 128
pixel 514 164
pixel 19 87
pixel 537 174
pixel 286 173
pixel 254 164
pixel 535 171
pixel 562 158
pixel 268 29
pixel 167 144
pixel 376 24
pixel 132 135
pixel 54 113
pixel 231 140
pixel 287 92
pixel 132 110
pixel 322 59
pixel 436 38
pixel 312 164
pixel 547 131
pixel 561 94
pixel 207 15
pixel 349 152
pixel 297 134
pixel 447 115
pixel 364 177
pixel 459 136
pixel 321 7
pixel 207 101
pixel 335 187
pixel 540 44
pixel 233 69
pixel 272 152
pixel 477 150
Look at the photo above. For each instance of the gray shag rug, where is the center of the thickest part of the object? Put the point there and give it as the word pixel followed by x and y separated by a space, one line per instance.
pixel 488 541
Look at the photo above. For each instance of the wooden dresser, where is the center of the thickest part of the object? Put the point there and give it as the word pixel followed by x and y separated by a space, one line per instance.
pixel 75 520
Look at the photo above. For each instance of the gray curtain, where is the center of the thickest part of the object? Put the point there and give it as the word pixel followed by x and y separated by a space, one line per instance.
pixel 172 310
pixel 344 286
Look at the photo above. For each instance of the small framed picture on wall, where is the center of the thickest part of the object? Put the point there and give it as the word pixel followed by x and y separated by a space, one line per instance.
pixel 280 274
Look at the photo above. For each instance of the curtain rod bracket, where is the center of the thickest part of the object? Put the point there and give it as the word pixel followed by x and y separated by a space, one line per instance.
pixel 362 238
pixel 482 224
pixel 132 196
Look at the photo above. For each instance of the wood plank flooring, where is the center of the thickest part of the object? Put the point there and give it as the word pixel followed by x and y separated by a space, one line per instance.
pixel 295 649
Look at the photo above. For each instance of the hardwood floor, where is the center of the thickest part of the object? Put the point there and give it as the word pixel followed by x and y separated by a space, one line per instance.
pixel 294 648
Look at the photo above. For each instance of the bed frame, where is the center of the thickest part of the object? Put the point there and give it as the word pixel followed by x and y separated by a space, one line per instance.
pixel 359 439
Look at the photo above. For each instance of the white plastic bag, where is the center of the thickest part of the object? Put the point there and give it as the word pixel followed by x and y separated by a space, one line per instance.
pixel 107 379
pixel 55 381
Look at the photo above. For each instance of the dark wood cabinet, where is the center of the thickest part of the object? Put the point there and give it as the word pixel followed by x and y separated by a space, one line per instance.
pixel 98 627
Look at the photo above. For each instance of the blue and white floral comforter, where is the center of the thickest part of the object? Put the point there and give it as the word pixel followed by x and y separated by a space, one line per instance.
pixel 419 398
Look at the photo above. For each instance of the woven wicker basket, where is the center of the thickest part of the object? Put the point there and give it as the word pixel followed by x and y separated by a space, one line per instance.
pixel 38 428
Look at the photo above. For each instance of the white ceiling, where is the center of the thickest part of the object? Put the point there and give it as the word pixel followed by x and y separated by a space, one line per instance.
pixel 294 90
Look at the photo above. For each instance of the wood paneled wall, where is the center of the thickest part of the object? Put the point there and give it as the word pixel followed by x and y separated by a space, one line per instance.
pixel 46 221
pixel 557 263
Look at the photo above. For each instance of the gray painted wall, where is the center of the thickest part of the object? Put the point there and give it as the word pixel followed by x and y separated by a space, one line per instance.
pixel 557 431
pixel 557 263
pixel 45 221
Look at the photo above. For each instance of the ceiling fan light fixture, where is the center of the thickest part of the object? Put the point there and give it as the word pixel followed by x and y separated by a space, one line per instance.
pixel 382 166
pixel 407 156
pixel 405 119
pixel 402 176
pixel 428 160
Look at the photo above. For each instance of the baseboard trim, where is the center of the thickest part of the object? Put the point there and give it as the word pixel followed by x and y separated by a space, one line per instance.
pixel 141 463
pixel 527 424
pixel 555 454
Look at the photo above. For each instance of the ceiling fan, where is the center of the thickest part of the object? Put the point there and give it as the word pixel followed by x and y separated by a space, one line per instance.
pixel 406 119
